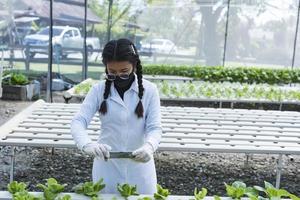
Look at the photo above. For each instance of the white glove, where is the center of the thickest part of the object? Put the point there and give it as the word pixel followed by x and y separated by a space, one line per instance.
pixel 144 153
pixel 98 150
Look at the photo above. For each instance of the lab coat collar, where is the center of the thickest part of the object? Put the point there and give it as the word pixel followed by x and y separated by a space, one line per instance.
pixel 134 85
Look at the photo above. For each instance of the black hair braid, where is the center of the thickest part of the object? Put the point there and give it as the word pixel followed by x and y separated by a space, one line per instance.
pixel 103 107
pixel 139 108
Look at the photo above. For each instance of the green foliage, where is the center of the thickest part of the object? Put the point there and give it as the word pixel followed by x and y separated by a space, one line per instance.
pixel 83 88
pixel 236 191
pixel 199 195
pixel 89 188
pixel 229 91
pixel 14 79
pixel 208 90
pixel 230 74
pixel 216 197
pixel 65 197
pixel 127 190
pixel 161 193
pixel 273 193
pixel 15 187
pixel 51 189
pixel 19 191
pixel 239 189
pixel 145 198
pixel 25 195
pixel 118 13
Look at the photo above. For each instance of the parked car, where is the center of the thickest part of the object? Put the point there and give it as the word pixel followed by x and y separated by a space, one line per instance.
pixel 63 37
pixel 158 46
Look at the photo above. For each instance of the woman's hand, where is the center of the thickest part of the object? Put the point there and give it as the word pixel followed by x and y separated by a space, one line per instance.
pixel 97 149
pixel 144 153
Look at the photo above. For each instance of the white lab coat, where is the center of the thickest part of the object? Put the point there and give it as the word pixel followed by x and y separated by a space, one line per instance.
pixel 123 131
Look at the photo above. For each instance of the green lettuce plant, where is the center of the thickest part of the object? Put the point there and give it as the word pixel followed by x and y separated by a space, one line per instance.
pixel 90 189
pixel 127 190
pixel 51 189
pixel 161 193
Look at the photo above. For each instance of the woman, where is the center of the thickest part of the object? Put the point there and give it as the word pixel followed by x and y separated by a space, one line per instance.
pixel 129 111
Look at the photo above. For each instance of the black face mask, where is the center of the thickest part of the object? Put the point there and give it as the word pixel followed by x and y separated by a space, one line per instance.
pixel 122 84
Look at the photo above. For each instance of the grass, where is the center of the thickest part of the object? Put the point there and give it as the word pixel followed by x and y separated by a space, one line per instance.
pixel 70 71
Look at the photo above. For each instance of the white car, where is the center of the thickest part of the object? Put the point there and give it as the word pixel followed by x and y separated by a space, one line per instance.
pixel 63 37
pixel 158 46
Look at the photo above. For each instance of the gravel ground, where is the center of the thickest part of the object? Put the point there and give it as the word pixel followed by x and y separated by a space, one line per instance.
pixel 180 172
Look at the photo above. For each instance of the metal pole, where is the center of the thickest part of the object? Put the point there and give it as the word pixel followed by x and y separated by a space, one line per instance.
pixel 296 36
pixel 84 65
pixel 279 166
pixel 50 59
pixel 109 19
pixel 246 162
pixel 226 31
pixel 27 57
pixel 10 33
pixel 12 164
pixel 280 106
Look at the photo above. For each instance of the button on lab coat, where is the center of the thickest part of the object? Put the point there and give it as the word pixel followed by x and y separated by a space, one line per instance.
pixel 123 131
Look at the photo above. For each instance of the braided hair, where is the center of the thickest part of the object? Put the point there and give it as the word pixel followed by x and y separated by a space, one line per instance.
pixel 122 50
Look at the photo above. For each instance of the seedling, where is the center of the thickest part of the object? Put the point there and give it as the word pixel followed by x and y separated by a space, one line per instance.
pixel 15 187
pixel 239 189
pixel 161 193
pixel 24 195
pixel 199 195
pixel 51 189
pixel 65 197
pixel 145 198
pixel 127 190
pixel 216 197
pixel 19 191
pixel 90 189
pixel 273 193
